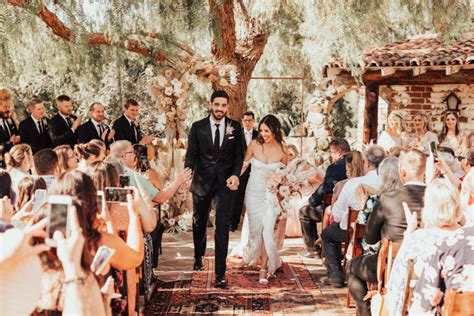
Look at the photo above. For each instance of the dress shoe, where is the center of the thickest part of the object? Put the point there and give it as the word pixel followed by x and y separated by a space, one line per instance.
pixel 198 266
pixel 232 228
pixel 221 282
pixel 309 254
pixel 336 282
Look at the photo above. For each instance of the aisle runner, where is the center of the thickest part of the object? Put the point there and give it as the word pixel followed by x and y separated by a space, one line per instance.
pixel 291 291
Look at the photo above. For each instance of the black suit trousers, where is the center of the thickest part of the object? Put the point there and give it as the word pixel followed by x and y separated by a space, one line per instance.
pixel 361 270
pixel 202 206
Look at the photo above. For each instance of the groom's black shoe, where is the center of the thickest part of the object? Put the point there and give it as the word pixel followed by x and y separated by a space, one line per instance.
pixel 221 282
pixel 198 266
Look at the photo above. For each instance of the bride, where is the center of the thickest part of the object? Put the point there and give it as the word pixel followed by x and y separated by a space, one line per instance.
pixel 266 155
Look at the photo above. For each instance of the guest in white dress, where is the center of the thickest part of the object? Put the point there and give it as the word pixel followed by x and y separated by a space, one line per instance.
pixel 67 160
pixel 19 161
pixel 87 154
pixel 451 135
pixel 394 135
pixel 423 135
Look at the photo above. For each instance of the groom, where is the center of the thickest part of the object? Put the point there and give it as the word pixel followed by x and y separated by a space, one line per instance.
pixel 215 155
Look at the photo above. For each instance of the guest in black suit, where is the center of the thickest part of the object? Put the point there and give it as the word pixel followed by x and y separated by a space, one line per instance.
pixel 215 155
pixel 63 126
pixel 248 133
pixel 95 127
pixel 387 221
pixel 34 129
pixel 126 128
pixel 8 130
pixel 310 215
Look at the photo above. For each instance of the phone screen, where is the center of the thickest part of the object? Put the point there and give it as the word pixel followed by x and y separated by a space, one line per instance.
pixel 39 200
pixel 117 195
pixel 100 195
pixel 434 151
pixel 102 257
pixel 57 218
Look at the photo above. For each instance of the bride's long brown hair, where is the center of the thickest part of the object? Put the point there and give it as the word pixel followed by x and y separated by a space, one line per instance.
pixel 275 127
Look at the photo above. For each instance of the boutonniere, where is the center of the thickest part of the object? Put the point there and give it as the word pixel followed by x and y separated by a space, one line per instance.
pixel 229 130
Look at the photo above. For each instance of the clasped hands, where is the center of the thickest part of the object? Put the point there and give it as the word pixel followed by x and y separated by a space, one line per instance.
pixel 233 183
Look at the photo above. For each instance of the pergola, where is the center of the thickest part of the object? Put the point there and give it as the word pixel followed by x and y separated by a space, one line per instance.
pixel 421 60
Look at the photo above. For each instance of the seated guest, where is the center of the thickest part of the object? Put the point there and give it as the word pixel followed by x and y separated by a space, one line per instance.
pixel 34 129
pixel 95 128
pixel 46 165
pixel 67 160
pixel 387 220
pixel 452 136
pixel 143 166
pixel 440 216
pixel 335 234
pixel 123 151
pixel 9 135
pixel 63 126
pixel 126 128
pixel 312 214
pixel 19 161
pixel 87 154
pixel 27 188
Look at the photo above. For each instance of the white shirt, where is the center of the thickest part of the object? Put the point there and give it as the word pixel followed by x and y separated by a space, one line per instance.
pixel 221 129
pixel 347 197
pixel 97 127
pixel 248 136
pixel 16 175
pixel 6 127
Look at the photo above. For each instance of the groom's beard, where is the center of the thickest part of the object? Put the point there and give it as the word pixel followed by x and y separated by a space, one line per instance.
pixel 218 115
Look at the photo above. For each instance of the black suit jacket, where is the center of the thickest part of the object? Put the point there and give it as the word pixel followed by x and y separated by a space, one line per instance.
pixel 87 132
pixel 124 131
pixel 60 132
pixel 29 134
pixel 246 174
pixel 335 172
pixel 387 219
pixel 200 158
pixel 4 137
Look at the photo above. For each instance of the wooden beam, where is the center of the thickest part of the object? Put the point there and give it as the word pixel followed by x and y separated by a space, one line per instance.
pixel 430 77
pixel 385 71
pixel 371 113
pixel 419 71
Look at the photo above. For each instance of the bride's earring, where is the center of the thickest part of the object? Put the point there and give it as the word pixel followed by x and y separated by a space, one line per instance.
pixel 262 277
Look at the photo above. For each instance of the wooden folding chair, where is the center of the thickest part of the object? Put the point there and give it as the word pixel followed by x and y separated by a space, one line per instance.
pixel 409 286
pixel 458 303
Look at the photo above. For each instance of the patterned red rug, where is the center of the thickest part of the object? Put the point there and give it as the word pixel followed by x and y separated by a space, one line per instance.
pixel 292 290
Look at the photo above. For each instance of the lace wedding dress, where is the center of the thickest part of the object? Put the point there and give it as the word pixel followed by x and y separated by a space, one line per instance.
pixel 262 211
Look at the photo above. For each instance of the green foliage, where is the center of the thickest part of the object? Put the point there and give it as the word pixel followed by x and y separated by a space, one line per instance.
pixel 287 107
pixel 341 119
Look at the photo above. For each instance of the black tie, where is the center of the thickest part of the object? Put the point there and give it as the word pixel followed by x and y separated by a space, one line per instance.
pixel 40 127
pixel 69 121
pixel 7 129
pixel 217 138
pixel 134 129
pixel 100 129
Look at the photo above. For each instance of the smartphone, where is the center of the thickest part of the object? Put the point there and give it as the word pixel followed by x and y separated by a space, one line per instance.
pixel 58 210
pixel 117 195
pixel 124 181
pixel 101 259
pixel 144 164
pixel 433 149
pixel 100 200
pixel 40 196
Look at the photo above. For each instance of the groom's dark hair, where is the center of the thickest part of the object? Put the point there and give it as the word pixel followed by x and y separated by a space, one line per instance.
pixel 219 94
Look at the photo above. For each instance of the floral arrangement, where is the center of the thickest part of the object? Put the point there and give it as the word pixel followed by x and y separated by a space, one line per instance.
pixel 289 182
pixel 177 213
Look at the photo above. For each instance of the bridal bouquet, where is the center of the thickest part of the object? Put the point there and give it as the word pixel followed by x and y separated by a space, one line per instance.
pixel 289 182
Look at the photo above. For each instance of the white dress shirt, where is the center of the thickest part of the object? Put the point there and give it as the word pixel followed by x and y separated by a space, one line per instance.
pixel 96 125
pixel 248 136
pixel 347 198
pixel 221 129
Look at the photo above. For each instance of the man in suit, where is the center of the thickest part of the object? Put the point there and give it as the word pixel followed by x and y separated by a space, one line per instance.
pixel 249 133
pixel 94 128
pixel 387 221
pixel 310 215
pixel 8 130
pixel 34 129
pixel 215 154
pixel 126 128
pixel 63 126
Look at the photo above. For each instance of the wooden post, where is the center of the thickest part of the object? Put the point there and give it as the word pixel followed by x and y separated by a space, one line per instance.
pixel 371 113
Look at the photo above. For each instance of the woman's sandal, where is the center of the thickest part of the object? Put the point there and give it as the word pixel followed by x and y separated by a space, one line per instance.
pixel 262 277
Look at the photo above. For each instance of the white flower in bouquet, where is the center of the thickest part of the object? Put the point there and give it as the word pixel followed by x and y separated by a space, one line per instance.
pixel 183 224
pixel 282 171
pixel 177 91
pixel 192 78
pixel 161 81
pixel 284 191
pixel 221 72
pixel 160 122
pixel 168 91
pixel 165 206
pixel 171 221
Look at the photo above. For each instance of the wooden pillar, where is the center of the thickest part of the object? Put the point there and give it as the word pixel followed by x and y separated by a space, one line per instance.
pixel 371 113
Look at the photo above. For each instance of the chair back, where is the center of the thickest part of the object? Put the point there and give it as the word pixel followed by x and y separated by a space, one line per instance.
pixel 388 251
pixel 458 303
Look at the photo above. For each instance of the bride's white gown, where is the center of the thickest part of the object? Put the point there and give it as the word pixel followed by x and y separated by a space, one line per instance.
pixel 262 214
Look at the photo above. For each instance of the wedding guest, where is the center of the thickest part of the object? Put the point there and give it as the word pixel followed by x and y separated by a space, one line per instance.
pixel 126 127
pixel 67 160
pixel 440 216
pixel 335 234
pixel 387 220
pixel 143 165
pixel 63 126
pixel 395 134
pixel 9 135
pixel 95 127
pixel 423 134
pixel 452 136
pixel 34 129
pixel 46 165
pixel 6 185
pixel 87 154
pixel 309 216
pixel 19 161
pixel 250 133
pixel 26 189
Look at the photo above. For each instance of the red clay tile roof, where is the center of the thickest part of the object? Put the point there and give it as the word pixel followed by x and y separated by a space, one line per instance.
pixel 423 50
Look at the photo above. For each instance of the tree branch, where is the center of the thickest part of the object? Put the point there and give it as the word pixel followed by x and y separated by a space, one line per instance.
pixel 224 42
